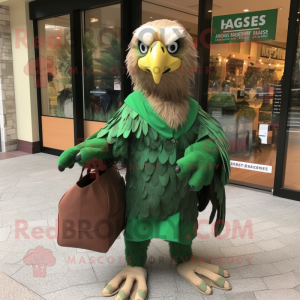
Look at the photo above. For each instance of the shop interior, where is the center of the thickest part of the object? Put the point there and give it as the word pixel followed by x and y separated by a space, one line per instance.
pixel 245 94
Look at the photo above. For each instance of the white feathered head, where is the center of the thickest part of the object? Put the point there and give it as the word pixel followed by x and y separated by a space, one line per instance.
pixel 162 60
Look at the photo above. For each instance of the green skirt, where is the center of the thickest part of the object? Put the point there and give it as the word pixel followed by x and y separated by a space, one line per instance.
pixel 172 229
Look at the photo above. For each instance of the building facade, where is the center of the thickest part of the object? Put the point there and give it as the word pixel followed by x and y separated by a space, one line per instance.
pixel 63 76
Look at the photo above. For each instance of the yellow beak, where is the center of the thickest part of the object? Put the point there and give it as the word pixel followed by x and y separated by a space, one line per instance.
pixel 158 61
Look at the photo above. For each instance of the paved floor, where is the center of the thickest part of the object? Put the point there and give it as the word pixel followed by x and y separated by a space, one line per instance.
pixel 266 266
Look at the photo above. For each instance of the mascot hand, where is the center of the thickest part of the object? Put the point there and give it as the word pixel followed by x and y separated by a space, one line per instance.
pixel 198 163
pixel 81 153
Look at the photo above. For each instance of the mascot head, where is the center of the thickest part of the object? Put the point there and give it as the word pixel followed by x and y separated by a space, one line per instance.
pixel 162 60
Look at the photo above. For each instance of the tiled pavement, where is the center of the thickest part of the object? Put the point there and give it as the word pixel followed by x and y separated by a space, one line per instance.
pixel 266 266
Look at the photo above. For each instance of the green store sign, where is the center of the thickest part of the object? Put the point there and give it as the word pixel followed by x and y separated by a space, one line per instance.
pixel 246 27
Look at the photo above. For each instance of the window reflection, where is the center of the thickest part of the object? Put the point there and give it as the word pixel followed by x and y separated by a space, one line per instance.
pixel 245 95
pixel 55 58
pixel 102 63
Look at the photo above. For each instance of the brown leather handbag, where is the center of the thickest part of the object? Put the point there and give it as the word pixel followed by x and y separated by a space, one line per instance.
pixel 91 214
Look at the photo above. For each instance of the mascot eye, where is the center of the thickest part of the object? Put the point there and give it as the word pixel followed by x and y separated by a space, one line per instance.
pixel 143 47
pixel 173 48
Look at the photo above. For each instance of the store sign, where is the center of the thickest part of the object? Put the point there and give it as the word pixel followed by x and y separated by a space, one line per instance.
pixel 272 52
pixel 263 133
pixel 245 27
pixel 277 98
pixel 250 166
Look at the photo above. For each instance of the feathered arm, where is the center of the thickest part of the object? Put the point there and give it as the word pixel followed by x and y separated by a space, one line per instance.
pixel 99 145
pixel 210 184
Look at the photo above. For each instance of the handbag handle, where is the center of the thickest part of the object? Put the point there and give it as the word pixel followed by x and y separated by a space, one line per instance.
pixel 96 164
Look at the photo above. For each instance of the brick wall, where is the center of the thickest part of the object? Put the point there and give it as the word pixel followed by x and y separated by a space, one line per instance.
pixel 8 124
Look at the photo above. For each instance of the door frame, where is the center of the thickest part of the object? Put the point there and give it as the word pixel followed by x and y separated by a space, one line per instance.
pixel 130 20
pixel 203 48
pixel 291 48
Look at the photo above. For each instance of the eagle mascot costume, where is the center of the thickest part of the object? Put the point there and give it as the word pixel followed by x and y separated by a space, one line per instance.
pixel 177 160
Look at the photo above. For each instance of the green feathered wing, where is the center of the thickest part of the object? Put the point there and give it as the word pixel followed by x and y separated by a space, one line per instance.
pixel 152 187
pixel 209 127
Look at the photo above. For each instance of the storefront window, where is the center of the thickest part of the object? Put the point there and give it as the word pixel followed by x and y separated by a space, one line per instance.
pixel 54 65
pixel 292 160
pixel 102 62
pixel 187 16
pixel 245 78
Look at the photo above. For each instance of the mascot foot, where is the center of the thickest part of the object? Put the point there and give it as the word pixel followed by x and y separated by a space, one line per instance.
pixel 210 275
pixel 129 284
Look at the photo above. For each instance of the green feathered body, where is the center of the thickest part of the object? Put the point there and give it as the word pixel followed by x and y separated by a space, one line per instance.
pixel 152 187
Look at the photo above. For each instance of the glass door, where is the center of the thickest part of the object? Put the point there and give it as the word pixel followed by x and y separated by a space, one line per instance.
pixel 247 60
pixel 291 171
pixel 102 67
pixel 55 82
